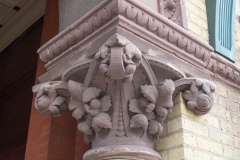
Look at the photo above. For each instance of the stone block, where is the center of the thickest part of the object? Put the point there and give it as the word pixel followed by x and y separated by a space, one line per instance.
pixel 194 127
pixel 220 112
pixel 209 146
pixel 220 137
pixel 228 152
pixel 169 141
pixel 176 154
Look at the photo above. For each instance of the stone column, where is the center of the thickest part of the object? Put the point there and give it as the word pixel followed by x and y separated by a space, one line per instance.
pixel 109 70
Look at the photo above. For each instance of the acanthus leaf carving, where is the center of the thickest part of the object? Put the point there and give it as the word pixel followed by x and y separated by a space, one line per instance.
pixel 150 92
pixel 90 94
pixel 105 103
pixel 89 107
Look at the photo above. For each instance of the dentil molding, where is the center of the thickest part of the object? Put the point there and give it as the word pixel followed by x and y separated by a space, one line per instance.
pixel 121 102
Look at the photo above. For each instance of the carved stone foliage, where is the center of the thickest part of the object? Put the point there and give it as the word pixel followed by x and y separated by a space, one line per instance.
pixel 174 10
pixel 51 98
pixel 119 59
pixel 121 104
pixel 153 107
pixel 200 96
pixel 87 104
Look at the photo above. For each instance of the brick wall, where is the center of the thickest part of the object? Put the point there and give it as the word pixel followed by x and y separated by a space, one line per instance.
pixel 214 136
pixel 18 64
pixel 237 33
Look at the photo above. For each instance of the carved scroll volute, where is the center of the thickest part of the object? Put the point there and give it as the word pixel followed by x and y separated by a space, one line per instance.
pixel 200 96
pixel 51 98
pixel 119 59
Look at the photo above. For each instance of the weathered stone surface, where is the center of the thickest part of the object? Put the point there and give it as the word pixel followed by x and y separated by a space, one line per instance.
pixel 121 99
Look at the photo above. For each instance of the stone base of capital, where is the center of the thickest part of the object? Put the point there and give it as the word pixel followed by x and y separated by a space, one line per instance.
pixel 122 152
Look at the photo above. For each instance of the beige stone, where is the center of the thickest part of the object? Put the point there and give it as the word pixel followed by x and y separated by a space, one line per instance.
pixel 169 141
pixel 176 154
pixel 209 146
pixel 220 137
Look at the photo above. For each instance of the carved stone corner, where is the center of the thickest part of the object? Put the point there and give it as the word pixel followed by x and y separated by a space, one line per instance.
pixel 121 104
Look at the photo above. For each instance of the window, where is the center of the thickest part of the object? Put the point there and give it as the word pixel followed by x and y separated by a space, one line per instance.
pixel 221 15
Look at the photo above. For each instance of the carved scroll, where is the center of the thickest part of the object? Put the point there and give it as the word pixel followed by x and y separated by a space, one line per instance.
pixel 119 59
pixel 51 98
pixel 200 96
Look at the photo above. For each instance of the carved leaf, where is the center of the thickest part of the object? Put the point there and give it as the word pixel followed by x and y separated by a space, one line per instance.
pixel 189 96
pixel 76 89
pixel 74 104
pixel 54 109
pixel 52 94
pixel 155 127
pixel 134 107
pixel 90 94
pixel 43 103
pixel 150 92
pixel 78 113
pixel 58 101
pixel 105 103
pixel 139 121
pixel 161 111
pixel 102 120
pixel 85 127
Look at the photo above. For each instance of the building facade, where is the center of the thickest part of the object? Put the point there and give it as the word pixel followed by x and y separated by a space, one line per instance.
pixel 104 60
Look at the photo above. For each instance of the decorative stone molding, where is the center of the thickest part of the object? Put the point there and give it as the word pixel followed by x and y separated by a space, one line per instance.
pixel 121 103
pixel 175 11
pixel 147 24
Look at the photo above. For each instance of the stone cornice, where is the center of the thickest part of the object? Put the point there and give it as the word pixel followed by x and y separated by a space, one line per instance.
pixel 149 25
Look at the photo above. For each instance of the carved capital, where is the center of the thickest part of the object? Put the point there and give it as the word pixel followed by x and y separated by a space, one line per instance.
pixel 122 102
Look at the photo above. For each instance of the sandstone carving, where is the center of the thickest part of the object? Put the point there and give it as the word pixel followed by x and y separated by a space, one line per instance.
pixel 174 10
pixel 200 96
pixel 153 107
pixel 87 105
pixel 50 98
pixel 121 103
pixel 119 59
